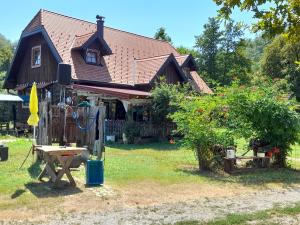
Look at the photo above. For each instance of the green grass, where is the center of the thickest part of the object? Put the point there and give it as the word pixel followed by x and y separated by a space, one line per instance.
pixel 158 162
pixel 11 177
pixel 260 217
pixel 161 163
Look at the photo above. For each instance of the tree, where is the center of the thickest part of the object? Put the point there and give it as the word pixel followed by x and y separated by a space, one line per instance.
pixel 6 53
pixel 185 51
pixel 254 50
pixel 233 62
pixel 274 16
pixel 279 62
pixel 208 46
pixel 222 56
pixel 197 119
pixel 162 35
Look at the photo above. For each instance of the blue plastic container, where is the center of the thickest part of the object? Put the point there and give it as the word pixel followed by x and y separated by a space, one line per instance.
pixel 94 172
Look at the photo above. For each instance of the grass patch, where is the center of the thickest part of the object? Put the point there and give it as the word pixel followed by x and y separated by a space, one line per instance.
pixel 260 217
pixel 160 163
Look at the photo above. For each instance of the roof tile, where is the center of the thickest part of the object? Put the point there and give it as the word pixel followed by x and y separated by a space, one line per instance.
pixel 135 59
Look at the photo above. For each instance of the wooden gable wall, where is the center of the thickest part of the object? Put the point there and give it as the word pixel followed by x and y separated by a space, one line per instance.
pixel 48 69
pixel 171 75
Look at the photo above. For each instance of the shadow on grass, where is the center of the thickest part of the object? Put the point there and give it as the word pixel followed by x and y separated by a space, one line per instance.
pixel 284 176
pixel 45 190
pixel 17 193
pixel 157 146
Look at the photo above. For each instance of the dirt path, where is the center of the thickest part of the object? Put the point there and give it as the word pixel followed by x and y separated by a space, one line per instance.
pixel 203 209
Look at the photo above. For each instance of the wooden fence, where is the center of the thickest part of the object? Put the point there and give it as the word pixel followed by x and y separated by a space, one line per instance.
pixel 57 125
pixel 116 127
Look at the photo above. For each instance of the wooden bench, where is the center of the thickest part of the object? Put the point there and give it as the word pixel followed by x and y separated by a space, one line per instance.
pixel 259 162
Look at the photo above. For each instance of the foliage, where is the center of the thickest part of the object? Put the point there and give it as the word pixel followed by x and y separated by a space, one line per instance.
pixel 261 114
pixel 254 50
pixel 279 61
pixel 131 130
pixel 164 99
pixel 222 56
pixel 237 111
pixel 5 57
pixel 198 119
pixel 162 35
pixel 207 45
pixel 2 78
pixel 274 16
pixel 186 51
pixel 6 53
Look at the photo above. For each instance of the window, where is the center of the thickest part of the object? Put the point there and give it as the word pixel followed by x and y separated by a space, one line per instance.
pixel 91 57
pixel 36 57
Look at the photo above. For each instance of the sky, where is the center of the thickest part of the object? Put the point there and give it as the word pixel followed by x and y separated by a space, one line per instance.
pixel 183 19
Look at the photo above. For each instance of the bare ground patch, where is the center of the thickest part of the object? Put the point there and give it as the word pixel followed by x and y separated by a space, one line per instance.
pixel 150 203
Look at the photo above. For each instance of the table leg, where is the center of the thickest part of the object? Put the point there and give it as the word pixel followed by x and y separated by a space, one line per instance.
pixel 48 169
pixel 65 162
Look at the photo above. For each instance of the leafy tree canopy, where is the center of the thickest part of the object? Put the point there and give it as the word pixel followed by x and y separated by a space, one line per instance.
pixel 222 56
pixel 6 53
pixel 279 62
pixel 162 35
pixel 274 16
pixel 185 51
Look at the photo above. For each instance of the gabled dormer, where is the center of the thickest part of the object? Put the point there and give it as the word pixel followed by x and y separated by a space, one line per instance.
pixel 92 46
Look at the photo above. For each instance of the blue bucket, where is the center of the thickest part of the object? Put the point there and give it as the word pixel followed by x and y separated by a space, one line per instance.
pixel 94 172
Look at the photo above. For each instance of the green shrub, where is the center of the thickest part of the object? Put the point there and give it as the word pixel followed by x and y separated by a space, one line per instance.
pixel 198 119
pixel 131 130
pixel 259 113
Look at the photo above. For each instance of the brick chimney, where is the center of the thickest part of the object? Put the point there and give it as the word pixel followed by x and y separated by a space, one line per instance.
pixel 100 25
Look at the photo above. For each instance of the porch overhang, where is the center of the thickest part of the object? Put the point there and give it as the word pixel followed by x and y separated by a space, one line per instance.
pixel 114 92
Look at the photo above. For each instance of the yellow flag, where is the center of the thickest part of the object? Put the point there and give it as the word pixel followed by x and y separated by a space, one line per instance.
pixel 33 107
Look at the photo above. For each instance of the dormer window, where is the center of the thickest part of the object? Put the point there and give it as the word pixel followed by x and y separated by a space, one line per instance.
pixel 36 56
pixel 91 57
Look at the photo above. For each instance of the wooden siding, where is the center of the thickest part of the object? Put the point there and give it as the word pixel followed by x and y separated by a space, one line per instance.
pixel 46 72
pixel 172 76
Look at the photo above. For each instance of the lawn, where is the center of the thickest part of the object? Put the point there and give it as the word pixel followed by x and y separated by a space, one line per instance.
pixel 125 165
pixel 276 215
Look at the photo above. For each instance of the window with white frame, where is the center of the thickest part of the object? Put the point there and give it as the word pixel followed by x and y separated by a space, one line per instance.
pixel 36 56
pixel 91 57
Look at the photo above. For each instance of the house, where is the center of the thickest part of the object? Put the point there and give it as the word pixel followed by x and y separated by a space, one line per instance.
pixel 90 61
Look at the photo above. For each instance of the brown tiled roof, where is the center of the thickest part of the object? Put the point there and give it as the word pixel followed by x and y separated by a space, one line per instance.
pixel 80 40
pixel 145 69
pixel 65 31
pixel 200 85
pixel 135 59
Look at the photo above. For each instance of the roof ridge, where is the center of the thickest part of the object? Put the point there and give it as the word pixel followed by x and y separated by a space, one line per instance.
pixel 153 57
pixel 70 17
pixel 139 35
pixel 74 18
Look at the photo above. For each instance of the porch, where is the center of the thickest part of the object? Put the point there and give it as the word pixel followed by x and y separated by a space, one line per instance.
pixel 124 105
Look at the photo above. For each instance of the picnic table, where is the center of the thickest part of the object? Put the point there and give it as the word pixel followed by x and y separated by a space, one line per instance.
pixel 63 155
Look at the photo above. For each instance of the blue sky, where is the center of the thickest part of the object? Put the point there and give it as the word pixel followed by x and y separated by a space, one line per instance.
pixel 183 19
